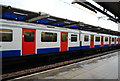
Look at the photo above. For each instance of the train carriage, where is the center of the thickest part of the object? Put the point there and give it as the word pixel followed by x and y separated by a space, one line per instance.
pixel 24 39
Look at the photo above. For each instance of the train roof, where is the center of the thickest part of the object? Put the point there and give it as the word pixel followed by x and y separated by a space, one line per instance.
pixel 16 14
pixel 95 33
pixel 16 24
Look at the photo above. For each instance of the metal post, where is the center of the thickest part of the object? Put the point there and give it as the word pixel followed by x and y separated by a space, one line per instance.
pixel 119 56
pixel 0 46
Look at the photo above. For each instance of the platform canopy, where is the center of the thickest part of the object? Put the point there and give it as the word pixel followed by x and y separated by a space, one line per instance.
pixel 106 7
pixel 113 6
pixel 16 14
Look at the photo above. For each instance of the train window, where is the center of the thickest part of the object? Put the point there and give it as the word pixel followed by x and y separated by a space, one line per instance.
pixel 92 38
pixel 48 37
pixel 101 38
pixel 86 38
pixel 106 39
pixel 112 39
pixel 6 35
pixel 116 39
pixel 97 39
pixel 64 37
pixel 29 36
pixel 73 38
pixel 109 39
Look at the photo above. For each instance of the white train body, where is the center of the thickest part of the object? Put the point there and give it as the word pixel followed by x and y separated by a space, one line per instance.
pixel 57 39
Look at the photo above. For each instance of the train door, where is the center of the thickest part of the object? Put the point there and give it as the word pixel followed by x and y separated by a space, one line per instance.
pixel 119 41
pixel 102 42
pixel 92 41
pixel 115 41
pixel 109 41
pixel 28 41
pixel 64 41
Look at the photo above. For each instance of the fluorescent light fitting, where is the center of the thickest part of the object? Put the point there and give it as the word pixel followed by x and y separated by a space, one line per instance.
pixel 20 13
pixel 67 22
pixel 51 19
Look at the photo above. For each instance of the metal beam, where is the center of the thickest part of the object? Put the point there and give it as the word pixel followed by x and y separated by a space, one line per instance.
pixel 39 17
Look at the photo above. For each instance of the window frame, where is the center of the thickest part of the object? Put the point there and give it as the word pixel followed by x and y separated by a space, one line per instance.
pixel 42 40
pixel 92 39
pixel 110 39
pixel 107 39
pixel 62 38
pixel 88 38
pixel 76 37
pixel 117 39
pixel 32 38
pixel 96 39
pixel 113 39
pixel 102 38
pixel 9 31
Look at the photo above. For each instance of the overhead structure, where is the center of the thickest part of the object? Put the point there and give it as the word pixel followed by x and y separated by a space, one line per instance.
pixel 16 14
pixel 113 7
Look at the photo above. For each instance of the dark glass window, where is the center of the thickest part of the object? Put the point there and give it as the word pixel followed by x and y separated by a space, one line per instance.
pixel 29 36
pixel 6 35
pixel 73 38
pixel 109 39
pixel 116 39
pixel 92 38
pixel 48 37
pixel 101 38
pixel 106 39
pixel 64 37
pixel 112 39
pixel 97 39
pixel 86 38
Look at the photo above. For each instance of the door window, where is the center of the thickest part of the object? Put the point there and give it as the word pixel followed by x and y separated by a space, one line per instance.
pixel 92 38
pixel 102 39
pixel 29 36
pixel 110 39
pixel 64 38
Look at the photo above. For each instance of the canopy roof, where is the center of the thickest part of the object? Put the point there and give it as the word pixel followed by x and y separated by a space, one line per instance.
pixel 16 14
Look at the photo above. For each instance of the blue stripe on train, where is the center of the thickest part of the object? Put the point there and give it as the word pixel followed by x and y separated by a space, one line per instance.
pixel 74 48
pixel 112 45
pixel 97 46
pixel 106 45
pixel 10 53
pixel 47 50
pixel 117 44
pixel 85 47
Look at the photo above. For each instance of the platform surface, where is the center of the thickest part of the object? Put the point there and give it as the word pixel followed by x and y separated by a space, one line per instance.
pixel 102 69
pixel 105 67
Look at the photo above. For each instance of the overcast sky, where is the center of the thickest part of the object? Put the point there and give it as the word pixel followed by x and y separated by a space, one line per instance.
pixel 61 9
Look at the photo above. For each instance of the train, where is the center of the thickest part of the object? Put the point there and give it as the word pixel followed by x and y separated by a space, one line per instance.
pixel 21 39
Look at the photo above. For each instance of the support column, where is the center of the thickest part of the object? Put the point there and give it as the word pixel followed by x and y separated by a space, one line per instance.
pixel 0 45
pixel 119 56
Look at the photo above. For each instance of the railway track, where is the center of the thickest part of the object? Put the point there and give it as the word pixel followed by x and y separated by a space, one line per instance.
pixel 24 72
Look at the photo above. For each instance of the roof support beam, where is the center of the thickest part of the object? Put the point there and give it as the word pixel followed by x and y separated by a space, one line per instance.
pixel 39 18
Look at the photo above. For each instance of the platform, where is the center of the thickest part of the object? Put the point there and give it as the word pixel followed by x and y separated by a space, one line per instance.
pixel 104 67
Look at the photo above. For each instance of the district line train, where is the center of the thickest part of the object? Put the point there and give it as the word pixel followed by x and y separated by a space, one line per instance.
pixel 21 39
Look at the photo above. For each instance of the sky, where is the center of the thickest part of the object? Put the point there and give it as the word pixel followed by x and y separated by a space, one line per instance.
pixel 62 9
